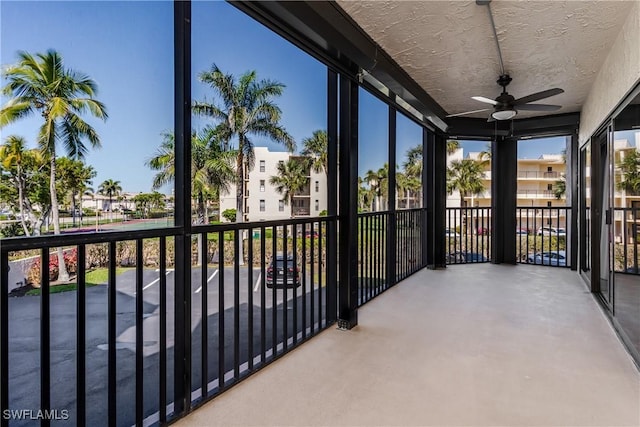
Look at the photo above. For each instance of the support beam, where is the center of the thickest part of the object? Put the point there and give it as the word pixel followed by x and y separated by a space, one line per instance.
pixel 332 194
pixel 182 322
pixel 348 148
pixel 435 163
pixel 392 235
pixel 504 168
pixel 572 181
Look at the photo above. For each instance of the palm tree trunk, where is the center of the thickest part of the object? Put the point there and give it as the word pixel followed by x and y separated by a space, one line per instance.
pixel 63 275
pixel 21 202
pixel 240 196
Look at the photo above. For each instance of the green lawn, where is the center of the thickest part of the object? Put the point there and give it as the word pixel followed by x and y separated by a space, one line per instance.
pixel 95 277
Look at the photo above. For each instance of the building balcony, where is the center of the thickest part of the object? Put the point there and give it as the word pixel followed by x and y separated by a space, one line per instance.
pixel 535 194
pixel 533 175
pixel 426 353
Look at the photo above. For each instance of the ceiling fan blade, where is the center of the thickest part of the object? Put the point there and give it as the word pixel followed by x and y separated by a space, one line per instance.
pixel 538 96
pixel 485 100
pixel 538 107
pixel 468 112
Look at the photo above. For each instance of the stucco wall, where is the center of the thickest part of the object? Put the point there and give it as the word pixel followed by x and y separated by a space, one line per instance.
pixel 618 75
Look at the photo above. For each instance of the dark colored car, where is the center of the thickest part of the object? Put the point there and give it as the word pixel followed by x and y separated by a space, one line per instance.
pixel 462 257
pixel 309 234
pixel 282 273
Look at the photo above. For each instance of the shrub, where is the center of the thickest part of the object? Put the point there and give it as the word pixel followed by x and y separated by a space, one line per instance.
pixel 229 215
pixel 70 261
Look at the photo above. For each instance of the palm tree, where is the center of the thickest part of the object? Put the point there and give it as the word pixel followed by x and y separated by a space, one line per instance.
pixel 42 84
pixel 315 148
pixel 75 177
pixel 110 188
pixel 12 156
pixel 413 169
pixel 211 167
pixel 452 146
pixel 466 177
pixel 291 178
pixel 247 110
pixel 630 168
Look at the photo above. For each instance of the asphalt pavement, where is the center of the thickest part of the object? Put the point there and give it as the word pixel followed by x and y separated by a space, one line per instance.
pixel 24 338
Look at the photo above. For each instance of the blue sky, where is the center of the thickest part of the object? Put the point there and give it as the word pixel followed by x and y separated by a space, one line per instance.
pixel 127 48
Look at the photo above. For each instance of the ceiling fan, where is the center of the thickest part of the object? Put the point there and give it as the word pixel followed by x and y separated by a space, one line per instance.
pixel 505 106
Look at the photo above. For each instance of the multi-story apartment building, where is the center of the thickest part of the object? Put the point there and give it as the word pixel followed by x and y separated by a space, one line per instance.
pixel 261 200
pixel 626 204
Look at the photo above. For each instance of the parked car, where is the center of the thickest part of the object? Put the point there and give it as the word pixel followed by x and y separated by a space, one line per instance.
pixel 522 231
pixel 451 233
pixel 633 270
pixel 552 231
pixel 282 273
pixel 554 258
pixel 463 257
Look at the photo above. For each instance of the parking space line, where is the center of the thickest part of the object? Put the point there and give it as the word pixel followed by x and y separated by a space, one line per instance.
pixel 208 280
pixel 255 289
pixel 156 281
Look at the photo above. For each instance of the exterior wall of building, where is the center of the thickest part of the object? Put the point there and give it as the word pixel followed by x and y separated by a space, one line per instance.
pixel 264 203
pixel 619 73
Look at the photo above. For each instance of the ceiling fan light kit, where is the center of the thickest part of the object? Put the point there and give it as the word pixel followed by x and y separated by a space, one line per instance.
pixel 504 114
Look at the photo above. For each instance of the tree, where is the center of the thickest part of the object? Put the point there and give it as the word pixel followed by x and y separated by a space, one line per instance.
pixel 560 187
pixel 229 215
pixel 12 157
pixel 413 170
pixel 630 168
pixel 42 84
pixel 315 148
pixel 247 110
pixel 452 146
pixel 75 178
pixel 27 172
pixel 466 177
pixel 110 188
pixel 291 178
pixel 211 167
pixel 378 183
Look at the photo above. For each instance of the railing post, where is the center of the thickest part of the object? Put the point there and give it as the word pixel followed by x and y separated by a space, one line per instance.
pixel 348 286
pixel 182 321
pixel 4 336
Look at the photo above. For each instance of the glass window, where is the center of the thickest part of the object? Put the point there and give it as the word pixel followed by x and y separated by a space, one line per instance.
pixel 317 205
pixel 281 205
pixel 373 154
pixel 317 186
pixel 262 206
pixel 262 185
pixel 262 166
pixel 409 163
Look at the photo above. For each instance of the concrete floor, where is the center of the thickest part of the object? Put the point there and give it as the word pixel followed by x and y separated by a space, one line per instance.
pixel 470 345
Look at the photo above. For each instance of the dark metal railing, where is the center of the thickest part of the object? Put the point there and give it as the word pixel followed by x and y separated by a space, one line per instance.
pixel 467 235
pixel 626 223
pixel 242 313
pixel 409 256
pixel 372 255
pixel 542 235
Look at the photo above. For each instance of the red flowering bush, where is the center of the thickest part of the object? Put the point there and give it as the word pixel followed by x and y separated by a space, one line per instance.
pixel 70 261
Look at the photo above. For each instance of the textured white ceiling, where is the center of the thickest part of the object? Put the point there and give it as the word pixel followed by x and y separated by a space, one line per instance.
pixel 448 47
